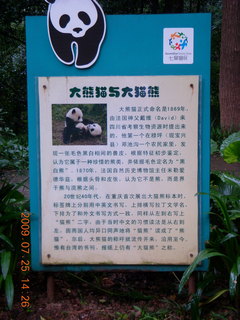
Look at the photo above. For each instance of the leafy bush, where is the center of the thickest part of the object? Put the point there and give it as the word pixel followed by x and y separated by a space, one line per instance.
pixel 14 155
pixel 223 248
pixel 13 150
pixel 214 147
pixel 218 135
pixel 12 203
pixel 230 148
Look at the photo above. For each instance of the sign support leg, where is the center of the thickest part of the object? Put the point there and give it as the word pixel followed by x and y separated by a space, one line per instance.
pixel 192 284
pixel 50 287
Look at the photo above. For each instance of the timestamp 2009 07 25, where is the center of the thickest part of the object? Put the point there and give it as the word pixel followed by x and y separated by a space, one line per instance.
pixel 25 261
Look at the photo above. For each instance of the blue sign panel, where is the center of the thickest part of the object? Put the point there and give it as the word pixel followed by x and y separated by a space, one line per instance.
pixel 118 186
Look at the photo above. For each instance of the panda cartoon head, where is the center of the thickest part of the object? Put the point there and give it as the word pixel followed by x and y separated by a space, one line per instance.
pixel 76 30
pixel 94 129
pixel 75 114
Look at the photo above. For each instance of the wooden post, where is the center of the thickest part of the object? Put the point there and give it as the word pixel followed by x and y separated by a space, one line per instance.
pixel 50 288
pixel 192 285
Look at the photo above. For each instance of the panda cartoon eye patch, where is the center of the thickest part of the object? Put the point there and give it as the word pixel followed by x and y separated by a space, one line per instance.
pixel 65 19
pixel 84 17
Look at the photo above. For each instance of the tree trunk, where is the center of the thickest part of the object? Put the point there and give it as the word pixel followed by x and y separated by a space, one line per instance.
pixel 229 84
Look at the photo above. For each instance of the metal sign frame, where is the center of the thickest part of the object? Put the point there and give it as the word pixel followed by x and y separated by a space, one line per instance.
pixel 133 46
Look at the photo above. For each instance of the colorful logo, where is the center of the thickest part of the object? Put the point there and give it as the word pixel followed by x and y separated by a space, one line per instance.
pixel 178 41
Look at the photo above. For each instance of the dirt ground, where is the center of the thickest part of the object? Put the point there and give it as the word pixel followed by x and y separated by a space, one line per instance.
pixel 217 163
pixel 106 296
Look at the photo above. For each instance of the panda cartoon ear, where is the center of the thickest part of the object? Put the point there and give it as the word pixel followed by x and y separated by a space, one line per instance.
pixel 50 1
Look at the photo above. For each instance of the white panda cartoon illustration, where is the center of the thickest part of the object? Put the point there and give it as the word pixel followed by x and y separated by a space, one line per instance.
pixel 73 117
pixel 76 30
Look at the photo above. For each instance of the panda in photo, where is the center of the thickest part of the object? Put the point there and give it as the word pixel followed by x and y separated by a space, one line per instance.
pixel 73 117
pixel 94 129
pixel 81 131
pixel 83 127
pixel 76 30
pixel 88 128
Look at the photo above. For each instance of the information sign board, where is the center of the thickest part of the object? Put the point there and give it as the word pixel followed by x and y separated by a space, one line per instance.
pixel 120 151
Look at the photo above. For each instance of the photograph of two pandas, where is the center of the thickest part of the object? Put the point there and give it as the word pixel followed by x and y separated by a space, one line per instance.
pixel 79 124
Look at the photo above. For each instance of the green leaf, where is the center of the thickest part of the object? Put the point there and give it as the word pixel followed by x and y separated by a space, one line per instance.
pixel 215 297
pixel 230 148
pixel 214 146
pixel 4 163
pixel 235 214
pixel 226 177
pixel 217 316
pixel 228 237
pixel 203 255
pixel 222 206
pixel 5 262
pixel 10 217
pixel 234 274
pixel 6 239
pixel 9 290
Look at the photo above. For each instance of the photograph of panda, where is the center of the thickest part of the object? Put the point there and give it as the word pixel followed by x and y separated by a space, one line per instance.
pixel 79 124
pixel 73 117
